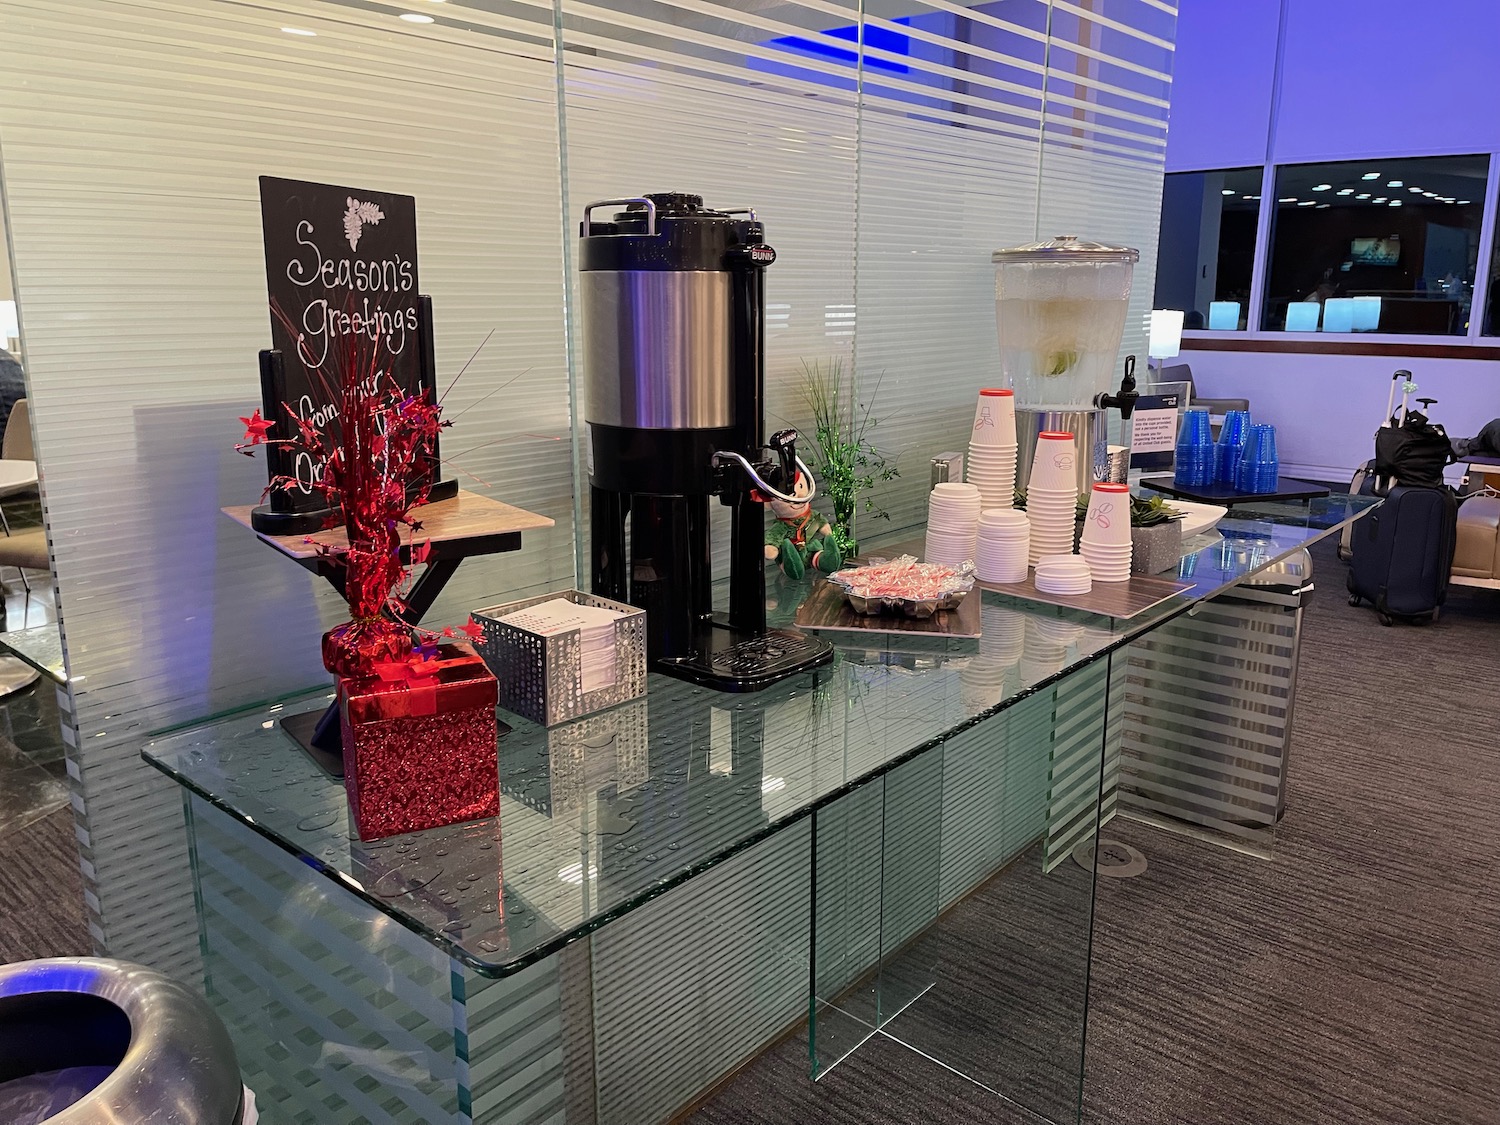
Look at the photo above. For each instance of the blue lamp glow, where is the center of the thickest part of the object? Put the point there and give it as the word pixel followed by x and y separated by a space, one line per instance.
pixel 1302 316
pixel 1338 314
pixel 1366 314
pixel 1224 316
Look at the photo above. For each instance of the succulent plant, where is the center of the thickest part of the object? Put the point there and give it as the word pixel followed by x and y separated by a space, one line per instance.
pixel 1143 512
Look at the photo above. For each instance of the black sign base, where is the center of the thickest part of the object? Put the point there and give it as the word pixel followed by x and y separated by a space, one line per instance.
pixel 317 733
pixel 266 521
pixel 442 490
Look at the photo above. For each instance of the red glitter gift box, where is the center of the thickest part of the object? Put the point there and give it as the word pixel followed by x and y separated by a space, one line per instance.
pixel 419 743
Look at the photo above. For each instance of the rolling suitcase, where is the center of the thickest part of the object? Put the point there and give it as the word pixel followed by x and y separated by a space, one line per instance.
pixel 1403 552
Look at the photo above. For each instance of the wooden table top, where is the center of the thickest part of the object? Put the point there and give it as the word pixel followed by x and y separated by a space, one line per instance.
pixel 466 516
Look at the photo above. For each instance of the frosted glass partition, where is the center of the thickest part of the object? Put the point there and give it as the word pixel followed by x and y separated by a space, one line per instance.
pixel 958 94
pixel 133 135
pixel 1109 69
pixel 888 146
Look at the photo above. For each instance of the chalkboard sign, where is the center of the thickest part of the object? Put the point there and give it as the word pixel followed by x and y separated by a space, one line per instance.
pixel 340 261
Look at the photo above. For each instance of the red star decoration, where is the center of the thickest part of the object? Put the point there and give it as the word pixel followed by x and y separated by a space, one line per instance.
pixel 255 428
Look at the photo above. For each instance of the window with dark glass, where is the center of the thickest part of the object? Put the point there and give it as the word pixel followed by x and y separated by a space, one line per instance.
pixel 1375 246
pixel 1491 321
pixel 1207 249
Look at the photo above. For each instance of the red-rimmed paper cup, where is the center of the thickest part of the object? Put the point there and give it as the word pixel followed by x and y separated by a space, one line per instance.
pixel 1054 466
pixel 995 418
pixel 1108 520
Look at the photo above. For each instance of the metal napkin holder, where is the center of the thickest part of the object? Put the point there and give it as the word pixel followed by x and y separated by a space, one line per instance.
pixel 541 677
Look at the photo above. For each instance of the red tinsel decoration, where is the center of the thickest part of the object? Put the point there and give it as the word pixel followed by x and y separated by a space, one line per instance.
pixel 385 437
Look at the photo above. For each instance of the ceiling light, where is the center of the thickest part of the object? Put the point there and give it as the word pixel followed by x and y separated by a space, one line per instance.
pixel 415 17
pixel 1380 199
pixel 1395 183
pixel 1346 191
pixel 1307 203
pixel 1463 202
pixel 1363 195
pixel 1288 199
pixel 1247 197
pixel 298 31
pixel 1322 187
pixel 1429 195
pixel 1371 176
pixel 1394 203
pixel 1323 206
pixel 1226 191
pixel 1415 188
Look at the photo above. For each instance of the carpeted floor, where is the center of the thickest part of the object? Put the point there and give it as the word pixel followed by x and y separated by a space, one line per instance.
pixel 41 891
pixel 1354 979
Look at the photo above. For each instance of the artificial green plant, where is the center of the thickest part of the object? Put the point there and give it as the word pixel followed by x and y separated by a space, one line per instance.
pixel 843 457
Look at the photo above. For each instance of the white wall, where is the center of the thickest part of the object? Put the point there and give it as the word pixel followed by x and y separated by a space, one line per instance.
pixel 1221 83
pixel 1358 78
pixel 1326 407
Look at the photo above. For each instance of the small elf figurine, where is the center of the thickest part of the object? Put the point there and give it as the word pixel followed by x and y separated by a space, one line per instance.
pixel 800 538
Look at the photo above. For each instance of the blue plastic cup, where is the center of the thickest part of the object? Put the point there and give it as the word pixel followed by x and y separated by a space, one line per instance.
pixel 1259 467
pixel 1195 458
pixel 1195 430
pixel 1231 446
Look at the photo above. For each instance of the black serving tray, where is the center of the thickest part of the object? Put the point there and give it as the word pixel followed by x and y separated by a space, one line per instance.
pixel 1287 488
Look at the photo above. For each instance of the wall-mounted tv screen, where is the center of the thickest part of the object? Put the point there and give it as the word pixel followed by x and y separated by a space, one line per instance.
pixel 1376 251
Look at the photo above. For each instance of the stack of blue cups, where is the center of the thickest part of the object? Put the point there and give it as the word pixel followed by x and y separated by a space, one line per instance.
pixel 1195 451
pixel 1231 446
pixel 1259 467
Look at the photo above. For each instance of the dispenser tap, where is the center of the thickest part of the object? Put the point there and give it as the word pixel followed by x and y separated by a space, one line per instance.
pixel 1125 400
pixel 784 445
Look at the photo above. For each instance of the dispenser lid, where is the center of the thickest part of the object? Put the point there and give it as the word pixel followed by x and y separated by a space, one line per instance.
pixel 1066 248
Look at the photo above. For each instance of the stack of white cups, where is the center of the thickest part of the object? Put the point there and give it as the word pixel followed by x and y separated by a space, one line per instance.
pixel 952 524
pixel 1106 533
pixel 1003 551
pixel 991 465
pixel 1052 496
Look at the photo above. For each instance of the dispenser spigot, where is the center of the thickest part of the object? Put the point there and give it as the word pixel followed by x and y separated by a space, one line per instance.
pixel 1125 400
pixel 784 445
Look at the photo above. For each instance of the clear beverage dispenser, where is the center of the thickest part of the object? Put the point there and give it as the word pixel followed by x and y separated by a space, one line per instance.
pixel 1060 309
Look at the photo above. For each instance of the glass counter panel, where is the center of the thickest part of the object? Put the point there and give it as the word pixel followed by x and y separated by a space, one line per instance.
pixel 985 821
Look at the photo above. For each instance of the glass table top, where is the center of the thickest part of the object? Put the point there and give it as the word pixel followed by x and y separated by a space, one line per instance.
pixel 40 646
pixel 601 815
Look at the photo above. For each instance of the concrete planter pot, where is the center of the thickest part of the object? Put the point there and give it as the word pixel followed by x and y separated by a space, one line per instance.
pixel 1156 548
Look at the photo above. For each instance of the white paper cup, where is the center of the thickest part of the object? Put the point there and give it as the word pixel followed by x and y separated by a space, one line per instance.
pixel 1007 568
pixel 999 463
pixel 1106 568
pixel 1053 468
pixel 1108 519
pixel 995 418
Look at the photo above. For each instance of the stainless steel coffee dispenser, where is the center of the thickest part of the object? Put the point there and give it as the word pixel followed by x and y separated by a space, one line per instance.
pixel 672 313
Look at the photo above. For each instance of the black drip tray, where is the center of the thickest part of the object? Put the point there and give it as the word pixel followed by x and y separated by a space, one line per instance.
pixel 752 662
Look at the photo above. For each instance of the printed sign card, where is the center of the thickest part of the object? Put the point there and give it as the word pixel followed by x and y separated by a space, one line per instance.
pixel 1153 432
